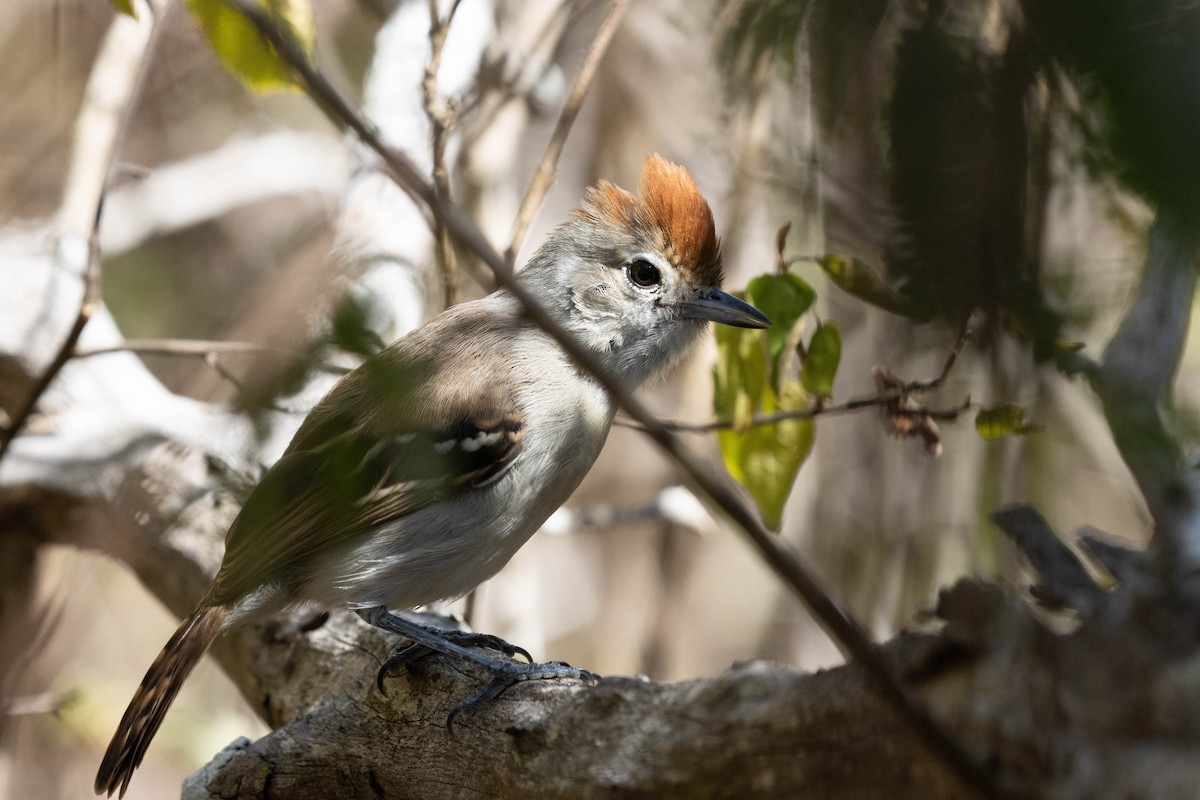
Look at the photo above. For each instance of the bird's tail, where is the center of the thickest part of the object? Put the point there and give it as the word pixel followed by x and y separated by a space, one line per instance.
pixel 152 699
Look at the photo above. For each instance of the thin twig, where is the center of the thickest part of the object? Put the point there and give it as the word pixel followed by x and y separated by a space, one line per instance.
pixel 91 277
pixel 543 177
pixel 819 410
pixel 964 333
pixel 213 360
pixel 87 307
pixel 400 168
pixel 781 264
pixel 203 348
pixel 508 82
pixel 441 117
pixel 717 486
pixel 177 347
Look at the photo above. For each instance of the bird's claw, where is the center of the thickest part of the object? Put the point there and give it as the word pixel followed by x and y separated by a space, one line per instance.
pixel 399 659
pixel 519 673
pixel 506 672
pixel 486 641
pixel 405 654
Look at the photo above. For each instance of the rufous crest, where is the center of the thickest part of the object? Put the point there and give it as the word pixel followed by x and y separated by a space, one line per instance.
pixel 670 212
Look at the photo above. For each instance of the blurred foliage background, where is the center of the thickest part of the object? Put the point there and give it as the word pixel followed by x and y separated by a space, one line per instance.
pixel 994 160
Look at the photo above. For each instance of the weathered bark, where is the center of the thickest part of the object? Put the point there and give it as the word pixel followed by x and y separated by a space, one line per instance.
pixel 1109 709
pixel 756 730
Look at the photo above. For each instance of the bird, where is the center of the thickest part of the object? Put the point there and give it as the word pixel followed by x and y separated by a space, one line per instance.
pixel 421 472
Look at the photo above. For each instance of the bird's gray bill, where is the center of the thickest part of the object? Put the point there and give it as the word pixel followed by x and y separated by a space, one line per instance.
pixel 722 307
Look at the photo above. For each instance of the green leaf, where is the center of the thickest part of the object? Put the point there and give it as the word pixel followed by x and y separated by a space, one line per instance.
pixel 766 458
pixel 763 458
pixel 821 364
pixel 784 299
pixel 1003 420
pixel 860 280
pixel 243 51
pixel 124 7
pixel 740 376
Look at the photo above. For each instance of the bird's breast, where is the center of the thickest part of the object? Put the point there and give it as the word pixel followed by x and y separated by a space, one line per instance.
pixel 566 429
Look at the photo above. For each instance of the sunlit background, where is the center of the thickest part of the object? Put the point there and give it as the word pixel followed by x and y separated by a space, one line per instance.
pixel 241 217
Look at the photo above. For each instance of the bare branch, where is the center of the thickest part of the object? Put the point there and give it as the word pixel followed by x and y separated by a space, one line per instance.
pixel 894 394
pixel 91 294
pixel 200 348
pixel 109 99
pixel 190 348
pixel 208 350
pixel 1064 580
pixel 543 177
pixel 964 333
pixel 1134 382
pixel 781 264
pixel 701 738
pixel 441 120
pixel 507 76
pixel 819 410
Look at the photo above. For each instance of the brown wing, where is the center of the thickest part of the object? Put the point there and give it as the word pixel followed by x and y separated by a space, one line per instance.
pixel 354 466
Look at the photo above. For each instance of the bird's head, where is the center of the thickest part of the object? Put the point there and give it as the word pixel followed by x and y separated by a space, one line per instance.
pixel 636 277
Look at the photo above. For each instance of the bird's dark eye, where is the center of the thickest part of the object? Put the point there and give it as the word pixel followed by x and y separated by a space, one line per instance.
pixel 643 273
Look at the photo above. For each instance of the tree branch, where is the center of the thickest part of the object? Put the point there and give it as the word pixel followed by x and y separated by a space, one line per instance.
pixel 441 121
pixel 1134 381
pixel 113 86
pixel 820 410
pixel 543 176
pixel 700 738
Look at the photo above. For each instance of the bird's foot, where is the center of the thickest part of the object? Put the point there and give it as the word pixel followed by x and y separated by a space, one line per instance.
pixel 512 674
pixel 472 647
pixel 487 641
pixel 397 662
pixel 405 654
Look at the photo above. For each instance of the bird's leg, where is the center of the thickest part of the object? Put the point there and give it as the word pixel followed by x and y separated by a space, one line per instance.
pixel 458 644
pixel 514 673
pixel 405 654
